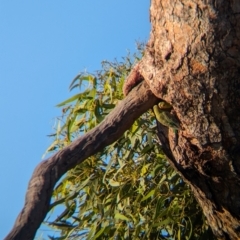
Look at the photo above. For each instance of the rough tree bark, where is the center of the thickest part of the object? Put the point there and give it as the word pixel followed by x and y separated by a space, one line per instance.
pixel 192 61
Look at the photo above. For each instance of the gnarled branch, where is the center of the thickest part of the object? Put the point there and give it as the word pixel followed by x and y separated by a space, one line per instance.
pixel 48 172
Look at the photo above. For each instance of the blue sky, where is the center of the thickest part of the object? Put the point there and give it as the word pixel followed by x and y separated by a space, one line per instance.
pixel 43 46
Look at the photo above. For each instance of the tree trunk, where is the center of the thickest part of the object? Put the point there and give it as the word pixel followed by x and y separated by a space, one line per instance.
pixel 192 61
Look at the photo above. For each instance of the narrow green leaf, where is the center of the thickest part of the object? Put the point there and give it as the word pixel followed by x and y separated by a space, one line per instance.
pixel 121 217
pixel 114 183
pixel 144 169
pixel 71 99
pixel 147 149
pixel 162 223
pixel 99 233
pixel 150 194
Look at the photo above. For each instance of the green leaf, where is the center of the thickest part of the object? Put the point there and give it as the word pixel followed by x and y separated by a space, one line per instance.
pixel 120 216
pixel 150 194
pixel 114 183
pixel 71 99
pixel 99 233
pixel 144 169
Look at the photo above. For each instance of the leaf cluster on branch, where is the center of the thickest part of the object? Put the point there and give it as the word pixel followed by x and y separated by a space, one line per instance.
pixel 128 190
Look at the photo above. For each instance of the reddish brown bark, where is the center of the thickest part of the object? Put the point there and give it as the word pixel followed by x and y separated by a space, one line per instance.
pixel 193 62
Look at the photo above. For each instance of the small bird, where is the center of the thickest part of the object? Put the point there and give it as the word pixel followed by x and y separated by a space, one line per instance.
pixel 164 116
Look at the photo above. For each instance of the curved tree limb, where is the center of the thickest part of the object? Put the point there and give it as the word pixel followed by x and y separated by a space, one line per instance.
pixel 48 172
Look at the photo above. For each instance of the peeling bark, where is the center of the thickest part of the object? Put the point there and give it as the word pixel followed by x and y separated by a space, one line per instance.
pixel 48 172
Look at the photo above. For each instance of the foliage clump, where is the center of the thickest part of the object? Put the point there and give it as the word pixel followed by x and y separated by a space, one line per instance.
pixel 128 190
